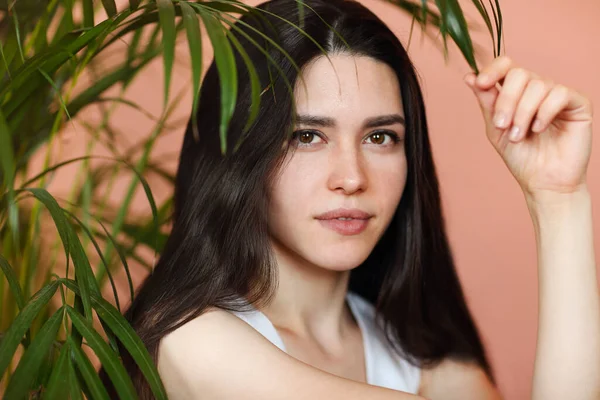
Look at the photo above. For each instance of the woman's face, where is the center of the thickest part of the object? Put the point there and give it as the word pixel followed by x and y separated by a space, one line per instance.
pixel 349 155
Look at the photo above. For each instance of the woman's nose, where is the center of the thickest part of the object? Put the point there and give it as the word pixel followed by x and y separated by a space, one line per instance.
pixel 347 171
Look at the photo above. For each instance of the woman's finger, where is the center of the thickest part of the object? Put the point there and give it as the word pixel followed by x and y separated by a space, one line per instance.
pixel 506 104
pixel 494 72
pixel 557 100
pixel 486 97
pixel 533 96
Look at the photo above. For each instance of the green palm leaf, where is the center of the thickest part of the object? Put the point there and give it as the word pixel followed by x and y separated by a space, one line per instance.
pixel 99 251
pixel 254 82
pixel 110 7
pixel 115 370
pixel 192 28
pixel 13 282
pixel 58 384
pixel 88 372
pixel 22 322
pixel 31 361
pixel 75 388
pixel 166 13
pixel 134 4
pixel 225 61
pixel 88 13
pixel 72 246
pixel 127 336
pixel 7 173
pixel 450 21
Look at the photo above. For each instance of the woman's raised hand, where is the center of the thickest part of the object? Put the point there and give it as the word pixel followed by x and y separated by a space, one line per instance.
pixel 542 130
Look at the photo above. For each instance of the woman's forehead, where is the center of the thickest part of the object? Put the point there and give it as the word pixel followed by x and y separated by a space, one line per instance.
pixel 348 86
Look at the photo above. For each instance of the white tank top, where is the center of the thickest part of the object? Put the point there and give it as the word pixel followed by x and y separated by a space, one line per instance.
pixel 384 367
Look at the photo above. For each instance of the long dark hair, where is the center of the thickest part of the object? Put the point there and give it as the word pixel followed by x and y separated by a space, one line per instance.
pixel 218 250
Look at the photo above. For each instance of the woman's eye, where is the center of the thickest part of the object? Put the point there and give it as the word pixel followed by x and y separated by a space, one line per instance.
pixel 306 138
pixel 379 138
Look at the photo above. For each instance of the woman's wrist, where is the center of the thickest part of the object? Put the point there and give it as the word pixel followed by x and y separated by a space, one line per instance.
pixel 558 207
pixel 569 308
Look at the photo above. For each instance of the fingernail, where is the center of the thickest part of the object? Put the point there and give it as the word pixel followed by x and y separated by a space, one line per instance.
pixel 537 125
pixel 500 120
pixel 514 133
pixel 469 79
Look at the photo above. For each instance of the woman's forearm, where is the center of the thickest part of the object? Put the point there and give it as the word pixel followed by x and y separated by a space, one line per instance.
pixel 567 364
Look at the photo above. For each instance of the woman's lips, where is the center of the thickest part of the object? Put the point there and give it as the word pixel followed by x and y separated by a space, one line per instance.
pixel 345 221
pixel 345 227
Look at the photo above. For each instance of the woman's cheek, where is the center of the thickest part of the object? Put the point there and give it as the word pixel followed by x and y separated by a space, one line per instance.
pixel 389 181
pixel 295 190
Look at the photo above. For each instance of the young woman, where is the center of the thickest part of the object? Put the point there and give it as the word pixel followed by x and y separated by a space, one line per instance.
pixel 312 262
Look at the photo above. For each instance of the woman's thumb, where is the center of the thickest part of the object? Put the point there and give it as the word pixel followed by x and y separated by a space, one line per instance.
pixel 485 97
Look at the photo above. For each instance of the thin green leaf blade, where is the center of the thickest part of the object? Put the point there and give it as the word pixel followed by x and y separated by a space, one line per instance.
pixel 8 50
pixel 486 17
pixel 50 59
pixel 192 28
pixel 134 345
pixel 499 25
pixel 99 251
pixel 455 25
pixel 134 4
pixel 92 93
pixel 120 218
pixel 227 6
pixel 110 7
pixel 88 13
pixel 110 361
pixel 31 361
pixel 7 163
pixel 301 14
pixel 72 246
pixel 225 62
pixel 22 323
pixel 13 282
pixel 57 91
pixel 146 235
pixel 55 167
pixel 166 16
pixel 130 340
pixel 75 388
pixel 7 159
pixel 88 372
pixel 254 84
pixel 17 25
pixel 66 23
pixel 59 379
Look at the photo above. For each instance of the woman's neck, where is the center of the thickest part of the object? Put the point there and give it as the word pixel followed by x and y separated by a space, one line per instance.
pixel 309 300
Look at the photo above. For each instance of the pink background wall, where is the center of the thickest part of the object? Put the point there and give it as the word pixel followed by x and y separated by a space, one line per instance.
pixel 489 226
pixel 488 223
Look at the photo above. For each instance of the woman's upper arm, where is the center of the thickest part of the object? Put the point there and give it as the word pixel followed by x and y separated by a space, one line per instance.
pixel 219 356
pixel 455 380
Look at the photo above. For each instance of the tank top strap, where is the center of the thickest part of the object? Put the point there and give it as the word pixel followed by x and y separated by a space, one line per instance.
pixel 262 324
pixel 385 367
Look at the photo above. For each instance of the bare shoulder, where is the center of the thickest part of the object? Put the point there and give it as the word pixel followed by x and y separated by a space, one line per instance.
pixel 204 354
pixel 221 357
pixel 457 380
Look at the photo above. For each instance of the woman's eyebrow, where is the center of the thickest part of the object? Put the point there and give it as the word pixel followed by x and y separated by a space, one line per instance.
pixel 313 120
pixel 383 120
pixel 327 122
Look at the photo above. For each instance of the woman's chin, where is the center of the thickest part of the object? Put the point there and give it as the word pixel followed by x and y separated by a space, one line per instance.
pixel 326 253
pixel 341 262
